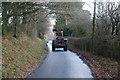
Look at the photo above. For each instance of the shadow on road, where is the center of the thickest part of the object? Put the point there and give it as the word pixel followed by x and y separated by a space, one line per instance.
pixel 59 51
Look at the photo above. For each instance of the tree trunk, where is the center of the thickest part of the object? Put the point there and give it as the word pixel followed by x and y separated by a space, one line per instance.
pixel 93 30
pixel 4 18
pixel 15 18
pixel 113 26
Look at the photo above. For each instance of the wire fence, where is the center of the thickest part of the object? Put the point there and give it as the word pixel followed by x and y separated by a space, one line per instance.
pixel 102 46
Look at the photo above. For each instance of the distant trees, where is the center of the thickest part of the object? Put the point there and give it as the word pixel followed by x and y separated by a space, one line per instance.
pixel 81 23
pixel 108 18
pixel 75 21
pixel 33 18
pixel 22 17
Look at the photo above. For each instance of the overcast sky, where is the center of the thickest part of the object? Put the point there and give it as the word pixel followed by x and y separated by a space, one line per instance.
pixel 90 7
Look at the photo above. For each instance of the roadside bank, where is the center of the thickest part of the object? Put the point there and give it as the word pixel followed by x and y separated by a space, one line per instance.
pixel 101 67
pixel 22 56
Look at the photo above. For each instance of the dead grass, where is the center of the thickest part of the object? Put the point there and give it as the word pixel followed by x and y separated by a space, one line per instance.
pixel 21 56
pixel 101 67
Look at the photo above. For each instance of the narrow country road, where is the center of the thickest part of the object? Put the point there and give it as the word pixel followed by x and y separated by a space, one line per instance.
pixel 61 64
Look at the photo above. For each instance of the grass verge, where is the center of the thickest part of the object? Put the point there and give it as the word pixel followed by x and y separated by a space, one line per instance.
pixel 21 56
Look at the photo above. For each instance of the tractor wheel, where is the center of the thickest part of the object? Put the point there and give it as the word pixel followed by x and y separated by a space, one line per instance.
pixel 53 47
pixel 65 48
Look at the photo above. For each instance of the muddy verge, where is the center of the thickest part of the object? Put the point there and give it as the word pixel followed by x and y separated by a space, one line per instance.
pixel 100 67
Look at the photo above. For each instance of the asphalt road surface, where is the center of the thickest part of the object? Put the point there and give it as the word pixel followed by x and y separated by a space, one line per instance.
pixel 62 64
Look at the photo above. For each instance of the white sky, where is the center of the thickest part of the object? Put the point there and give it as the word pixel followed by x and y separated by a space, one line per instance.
pixel 90 7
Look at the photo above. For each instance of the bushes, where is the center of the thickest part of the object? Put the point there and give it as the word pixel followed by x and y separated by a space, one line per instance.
pixel 67 31
pixel 103 46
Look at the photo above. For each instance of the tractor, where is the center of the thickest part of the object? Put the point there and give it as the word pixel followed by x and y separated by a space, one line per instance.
pixel 59 41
